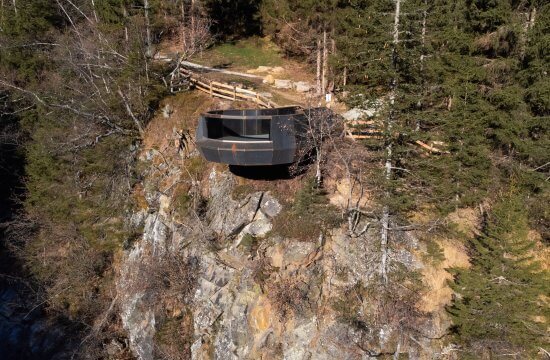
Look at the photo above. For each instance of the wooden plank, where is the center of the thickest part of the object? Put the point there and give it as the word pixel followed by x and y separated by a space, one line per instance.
pixel 209 69
pixel 243 96
pixel 221 90
pixel 204 89
pixel 233 94
pixel 430 148
pixel 215 94
pixel 236 88
pixel 226 86
pixel 246 91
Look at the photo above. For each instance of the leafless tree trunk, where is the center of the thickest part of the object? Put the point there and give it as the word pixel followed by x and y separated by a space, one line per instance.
pixel 125 14
pixel 332 81
pixel 319 127
pixel 345 75
pixel 193 20
pixel 318 77
pixel 14 7
pixel 422 56
pixel 319 153
pixel 2 13
pixel 131 113
pixel 529 23
pixel 388 164
pixel 195 30
pixel 532 17
pixel 183 27
pixel 149 49
pixel 94 11
pixel 325 63
pixel 398 349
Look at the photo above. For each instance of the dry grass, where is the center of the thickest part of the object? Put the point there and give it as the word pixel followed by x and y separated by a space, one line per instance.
pixel 186 108
pixel 540 252
pixel 436 277
pixel 466 221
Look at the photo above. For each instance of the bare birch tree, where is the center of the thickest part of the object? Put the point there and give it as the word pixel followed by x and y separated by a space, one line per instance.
pixel 318 74
pixel 385 221
pixel 325 63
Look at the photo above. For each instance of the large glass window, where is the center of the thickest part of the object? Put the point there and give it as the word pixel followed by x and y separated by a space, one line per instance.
pixel 238 129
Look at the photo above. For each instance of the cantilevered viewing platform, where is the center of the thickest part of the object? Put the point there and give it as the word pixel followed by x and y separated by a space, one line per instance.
pixel 251 137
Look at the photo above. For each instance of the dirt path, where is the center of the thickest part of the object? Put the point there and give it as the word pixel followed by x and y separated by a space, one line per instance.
pixel 188 64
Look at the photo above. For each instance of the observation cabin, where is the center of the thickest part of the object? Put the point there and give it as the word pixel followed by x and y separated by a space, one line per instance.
pixel 251 137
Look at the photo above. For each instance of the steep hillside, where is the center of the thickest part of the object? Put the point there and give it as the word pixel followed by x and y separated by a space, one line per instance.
pixel 230 267
pixel 413 223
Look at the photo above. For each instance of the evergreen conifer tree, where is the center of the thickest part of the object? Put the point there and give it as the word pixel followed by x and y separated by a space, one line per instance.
pixel 501 300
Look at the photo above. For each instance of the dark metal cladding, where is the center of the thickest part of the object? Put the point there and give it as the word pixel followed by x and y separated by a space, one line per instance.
pixel 251 137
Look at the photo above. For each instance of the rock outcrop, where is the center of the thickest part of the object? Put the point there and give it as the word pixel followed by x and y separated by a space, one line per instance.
pixel 257 294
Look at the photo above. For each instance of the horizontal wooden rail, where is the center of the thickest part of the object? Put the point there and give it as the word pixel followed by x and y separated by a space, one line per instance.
pixel 226 91
pixel 372 131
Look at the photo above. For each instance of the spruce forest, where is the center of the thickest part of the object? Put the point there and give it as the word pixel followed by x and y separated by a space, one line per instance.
pixel 414 225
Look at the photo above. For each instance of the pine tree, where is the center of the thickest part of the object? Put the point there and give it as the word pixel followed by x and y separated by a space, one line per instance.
pixel 500 301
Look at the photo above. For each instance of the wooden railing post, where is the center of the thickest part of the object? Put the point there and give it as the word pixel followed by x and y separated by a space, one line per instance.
pixel 224 90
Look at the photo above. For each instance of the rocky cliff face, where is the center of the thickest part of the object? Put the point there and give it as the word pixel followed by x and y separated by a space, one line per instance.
pixel 254 294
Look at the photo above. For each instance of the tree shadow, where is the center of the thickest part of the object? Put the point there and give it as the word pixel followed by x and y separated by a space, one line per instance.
pixel 270 172
pixel 223 65
pixel 240 20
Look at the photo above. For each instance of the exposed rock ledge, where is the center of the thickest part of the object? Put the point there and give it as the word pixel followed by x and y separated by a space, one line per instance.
pixel 233 317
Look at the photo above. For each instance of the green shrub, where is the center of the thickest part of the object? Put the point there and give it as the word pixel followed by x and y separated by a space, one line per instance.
pixel 248 241
pixel 310 214
pixel 182 203
pixel 196 166
pixel 434 252
pixel 241 191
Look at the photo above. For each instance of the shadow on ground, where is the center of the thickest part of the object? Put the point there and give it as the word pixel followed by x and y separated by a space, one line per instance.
pixel 273 172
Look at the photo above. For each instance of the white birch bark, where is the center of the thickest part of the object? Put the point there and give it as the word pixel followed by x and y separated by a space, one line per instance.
pixel 94 11
pixel 318 77
pixel 388 164
pixel 345 76
pixel 422 56
pixel 149 49
pixel 532 17
pixel 325 63
pixel 529 23
pixel 125 14
pixel 183 26
pixel 193 18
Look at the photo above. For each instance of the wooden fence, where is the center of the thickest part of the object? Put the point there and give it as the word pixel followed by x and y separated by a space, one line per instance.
pixel 225 91
pixel 355 130
pixel 364 129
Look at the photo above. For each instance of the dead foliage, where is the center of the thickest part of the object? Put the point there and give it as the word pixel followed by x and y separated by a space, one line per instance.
pixel 288 296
